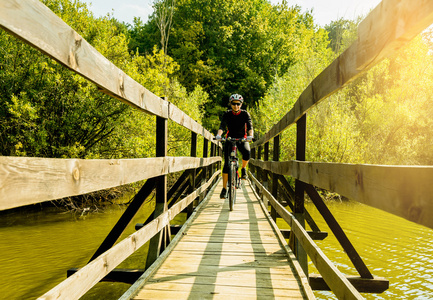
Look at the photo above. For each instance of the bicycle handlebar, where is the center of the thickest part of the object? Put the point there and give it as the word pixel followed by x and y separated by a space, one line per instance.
pixel 232 139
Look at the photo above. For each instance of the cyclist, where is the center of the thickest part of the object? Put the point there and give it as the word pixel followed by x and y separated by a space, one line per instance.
pixel 238 124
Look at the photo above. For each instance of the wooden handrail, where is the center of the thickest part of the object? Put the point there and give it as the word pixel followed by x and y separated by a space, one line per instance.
pixel 401 190
pixel 58 40
pixel 338 283
pixel 75 286
pixel 400 21
pixel 27 180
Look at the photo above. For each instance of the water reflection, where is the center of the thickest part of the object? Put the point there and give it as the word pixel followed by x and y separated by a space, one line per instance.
pixel 391 247
pixel 36 249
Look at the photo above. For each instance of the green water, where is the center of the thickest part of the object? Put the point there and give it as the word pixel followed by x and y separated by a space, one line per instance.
pixel 391 247
pixel 37 248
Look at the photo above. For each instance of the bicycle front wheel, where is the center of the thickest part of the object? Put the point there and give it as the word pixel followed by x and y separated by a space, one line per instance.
pixel 232 187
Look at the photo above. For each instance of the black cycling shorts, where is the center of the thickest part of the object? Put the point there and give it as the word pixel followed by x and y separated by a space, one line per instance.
pixel 244 149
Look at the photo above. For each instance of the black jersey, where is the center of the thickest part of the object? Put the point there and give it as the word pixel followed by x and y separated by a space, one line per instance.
pixel 237 125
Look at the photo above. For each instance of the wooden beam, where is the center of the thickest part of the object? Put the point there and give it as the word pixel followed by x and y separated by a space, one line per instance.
pixel 275 157
pixel 363 285
pixel 179 182
pixel 314 235
pixel 342 238
pixel 390 26
pixel 135 288
pixel 404 191
pixel 290 193
pixel 193 173
pixel 38 26
pixel 174 229
pixel 303 279
pixel 299 205
pixel 117 275
pixel 79 283
pixel 29 180
pixel 158 241
pixel 179 193
pixel 338 283
pixel 126 218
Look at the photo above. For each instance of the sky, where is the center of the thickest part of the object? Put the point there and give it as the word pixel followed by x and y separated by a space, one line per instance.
pixel 324 11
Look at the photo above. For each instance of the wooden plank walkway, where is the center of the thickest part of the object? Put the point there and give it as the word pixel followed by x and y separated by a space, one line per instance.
pixel 227 255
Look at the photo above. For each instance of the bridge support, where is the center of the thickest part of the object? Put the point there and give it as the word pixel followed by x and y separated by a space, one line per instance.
pixel 127 216
pixel 205 170
pixel 276 157
pixel 299 209
pixel 193 173
pixel 259 171
pixel 157 243
pixel 339 233
pixel 362 285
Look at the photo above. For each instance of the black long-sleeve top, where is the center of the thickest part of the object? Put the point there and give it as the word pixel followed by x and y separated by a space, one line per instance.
pixel 237 125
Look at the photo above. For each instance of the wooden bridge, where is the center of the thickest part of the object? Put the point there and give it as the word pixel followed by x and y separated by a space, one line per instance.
pixel 217 253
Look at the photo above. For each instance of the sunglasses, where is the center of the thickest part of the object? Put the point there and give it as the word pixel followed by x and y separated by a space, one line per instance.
pixel 237 103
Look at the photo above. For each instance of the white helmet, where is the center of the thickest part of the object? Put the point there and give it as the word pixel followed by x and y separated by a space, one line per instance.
pixel 236 97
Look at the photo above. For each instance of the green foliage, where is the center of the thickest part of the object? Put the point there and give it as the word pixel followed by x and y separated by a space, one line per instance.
pixel 230 46
pixel 268 53
pixel 392 107
pixel 286 90
pixel 383 117
pixel 342 33
pixel 50 111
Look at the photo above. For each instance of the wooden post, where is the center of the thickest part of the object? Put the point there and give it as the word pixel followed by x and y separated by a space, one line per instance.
pixel 220 153
pixel 212 154
pixel 205 169
pixel 252 167
pixel 161 193
pixel 276 157
pixel 253 155
pixel 258 170
pixel 193 172
pixel 264 173
pixel 301 137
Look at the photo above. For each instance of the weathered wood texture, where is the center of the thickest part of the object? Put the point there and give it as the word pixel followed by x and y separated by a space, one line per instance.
pixel 390 26
pixel 363 285
pixel 37 25
pixel 338 283
pixel 228 255
pixel 179 232
pixel 79 283
pixel 25 180
pixel 404 191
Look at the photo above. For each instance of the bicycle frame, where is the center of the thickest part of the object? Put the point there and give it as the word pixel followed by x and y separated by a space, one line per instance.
pixel 233 176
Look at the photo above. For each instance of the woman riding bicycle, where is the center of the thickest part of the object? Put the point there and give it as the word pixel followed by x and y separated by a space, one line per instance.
pixel 238 124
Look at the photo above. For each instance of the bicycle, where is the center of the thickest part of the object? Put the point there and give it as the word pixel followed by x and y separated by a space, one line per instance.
pixel 234 180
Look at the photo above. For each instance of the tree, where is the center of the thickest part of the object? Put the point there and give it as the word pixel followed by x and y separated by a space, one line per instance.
pixel 231 46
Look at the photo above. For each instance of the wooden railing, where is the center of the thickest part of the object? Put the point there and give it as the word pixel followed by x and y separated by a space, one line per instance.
pixel 401 190
pixel 26 180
